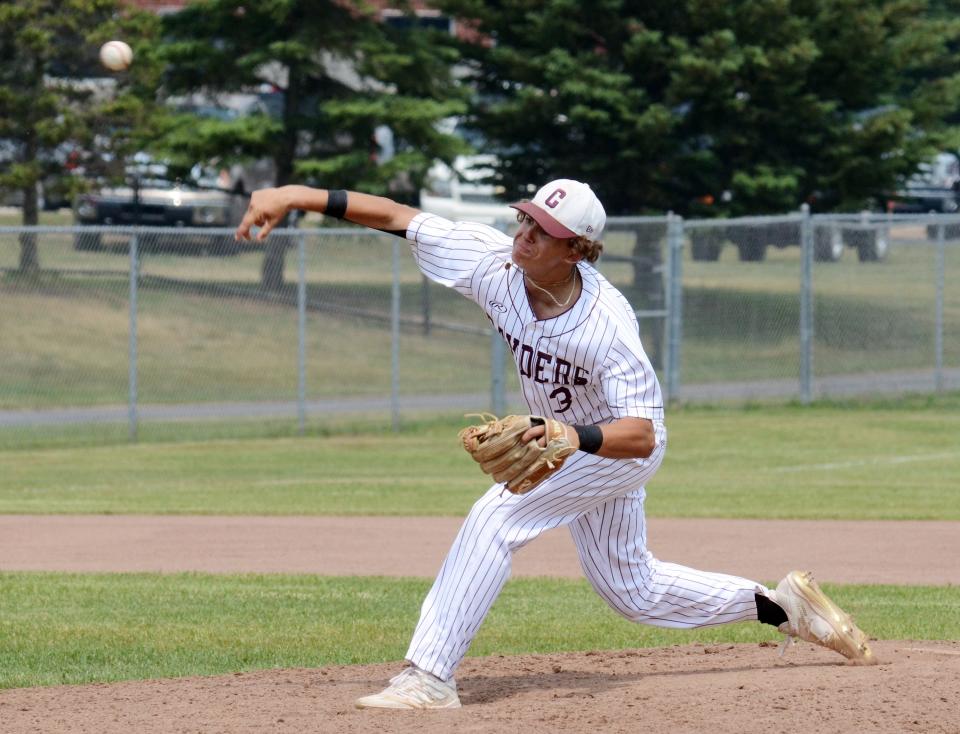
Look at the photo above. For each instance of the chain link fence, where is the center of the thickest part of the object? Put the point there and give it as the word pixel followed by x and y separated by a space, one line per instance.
pixel 112 333
pixel 862 307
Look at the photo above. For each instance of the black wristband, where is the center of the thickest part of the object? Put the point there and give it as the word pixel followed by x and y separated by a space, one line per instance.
pixel 591 438
pixel 336 203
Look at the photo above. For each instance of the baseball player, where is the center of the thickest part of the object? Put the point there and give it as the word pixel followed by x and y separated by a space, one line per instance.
pixel 576 344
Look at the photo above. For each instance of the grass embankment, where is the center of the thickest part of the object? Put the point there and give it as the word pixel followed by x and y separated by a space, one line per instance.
pixel 207 333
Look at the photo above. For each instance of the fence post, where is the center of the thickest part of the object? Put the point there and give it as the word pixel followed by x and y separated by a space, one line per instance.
pixel 425 304
pixel 674 304
pixel 938 316
pixel 132 419
pixel 806 304
pixel 301 334
pixel 395 339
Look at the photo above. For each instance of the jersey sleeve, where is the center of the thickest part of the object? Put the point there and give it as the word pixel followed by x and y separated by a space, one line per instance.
pixel 629 383
pixel 449 253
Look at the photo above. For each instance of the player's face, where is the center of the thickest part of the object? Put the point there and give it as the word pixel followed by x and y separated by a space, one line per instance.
pixel 535 250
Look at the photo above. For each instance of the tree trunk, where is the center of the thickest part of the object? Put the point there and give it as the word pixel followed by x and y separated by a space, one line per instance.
pixel 29 256
pixel 29 259
pixel 271 273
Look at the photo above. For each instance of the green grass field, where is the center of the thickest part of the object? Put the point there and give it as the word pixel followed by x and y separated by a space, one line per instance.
pixel 65 628
pixel 882 460
pixel 65 341
pixel 888 460
pixel 13 217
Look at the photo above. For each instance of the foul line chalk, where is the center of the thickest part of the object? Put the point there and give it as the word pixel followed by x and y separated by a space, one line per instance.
pixel 866 462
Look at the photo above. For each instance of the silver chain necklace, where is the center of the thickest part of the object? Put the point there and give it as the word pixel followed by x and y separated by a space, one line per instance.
pixel 565 301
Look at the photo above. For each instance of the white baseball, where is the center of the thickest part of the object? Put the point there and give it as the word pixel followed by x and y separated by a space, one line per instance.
pixel 116 55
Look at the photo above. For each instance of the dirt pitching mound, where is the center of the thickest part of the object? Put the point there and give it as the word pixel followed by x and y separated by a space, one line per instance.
pixel 716 689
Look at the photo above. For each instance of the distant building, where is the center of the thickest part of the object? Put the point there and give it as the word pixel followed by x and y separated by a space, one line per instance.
pixel 161 7
pixel 426 15
pixel 421 8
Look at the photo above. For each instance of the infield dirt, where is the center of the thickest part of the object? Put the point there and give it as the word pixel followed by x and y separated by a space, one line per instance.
pixel 716 690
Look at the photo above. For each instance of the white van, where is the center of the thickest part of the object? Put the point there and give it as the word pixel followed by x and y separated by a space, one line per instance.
pixel 935 187
pixel 459 193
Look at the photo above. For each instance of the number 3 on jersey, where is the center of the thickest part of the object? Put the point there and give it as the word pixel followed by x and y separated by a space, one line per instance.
pixel 562 396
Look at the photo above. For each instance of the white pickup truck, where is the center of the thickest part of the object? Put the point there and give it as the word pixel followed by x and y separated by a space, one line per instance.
pixel 460 192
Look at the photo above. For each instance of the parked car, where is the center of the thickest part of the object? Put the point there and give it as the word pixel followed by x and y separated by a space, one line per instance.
pixel 935 187
pixel 460 192
pixel 150 199
pixel 832 234
pixel 236 178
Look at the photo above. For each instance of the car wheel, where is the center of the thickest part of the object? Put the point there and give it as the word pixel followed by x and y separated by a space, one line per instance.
pixel 706 245
pixel 950 231
pixel 90 241
pixel 752 251
pixel 827 244
pixel 874 246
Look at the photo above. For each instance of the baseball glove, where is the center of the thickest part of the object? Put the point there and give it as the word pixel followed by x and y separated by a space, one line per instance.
pixel 496 445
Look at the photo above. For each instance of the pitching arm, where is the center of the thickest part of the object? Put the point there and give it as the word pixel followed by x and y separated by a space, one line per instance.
pixel 268 207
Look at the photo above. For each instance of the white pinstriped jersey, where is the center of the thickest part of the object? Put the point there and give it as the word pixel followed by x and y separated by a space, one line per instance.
pixel 585 366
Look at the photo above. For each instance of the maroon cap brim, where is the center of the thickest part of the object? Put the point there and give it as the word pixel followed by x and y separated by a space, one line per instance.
pixel 547 223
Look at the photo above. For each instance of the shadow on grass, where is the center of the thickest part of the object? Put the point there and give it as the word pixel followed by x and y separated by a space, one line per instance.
pixel 710 315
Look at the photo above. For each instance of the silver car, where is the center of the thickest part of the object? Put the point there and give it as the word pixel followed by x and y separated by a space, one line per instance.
pixel 150 200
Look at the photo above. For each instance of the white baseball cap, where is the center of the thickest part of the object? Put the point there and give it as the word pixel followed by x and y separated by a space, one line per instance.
pixel 566 208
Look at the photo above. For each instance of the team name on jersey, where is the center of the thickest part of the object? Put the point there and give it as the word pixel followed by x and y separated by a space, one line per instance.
pixel 543 367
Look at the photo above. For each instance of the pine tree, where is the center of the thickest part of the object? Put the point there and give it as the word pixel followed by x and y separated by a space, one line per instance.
pixel 346 79
pixel 704 107
pixel 54 94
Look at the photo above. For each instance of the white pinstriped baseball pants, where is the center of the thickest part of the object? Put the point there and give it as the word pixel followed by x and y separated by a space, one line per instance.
pixel 602 503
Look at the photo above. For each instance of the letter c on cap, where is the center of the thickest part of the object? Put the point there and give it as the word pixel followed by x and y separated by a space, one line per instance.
pixel 554 199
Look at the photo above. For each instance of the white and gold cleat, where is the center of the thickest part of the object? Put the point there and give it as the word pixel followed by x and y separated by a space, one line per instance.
pixel 413 689
pixel 814 617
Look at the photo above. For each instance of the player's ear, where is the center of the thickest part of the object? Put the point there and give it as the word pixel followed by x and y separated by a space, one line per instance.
pixel 573 256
